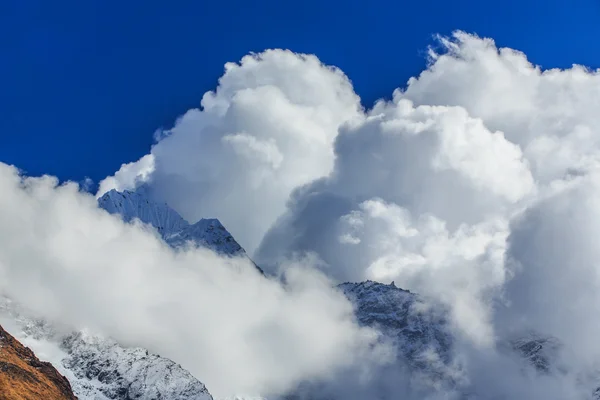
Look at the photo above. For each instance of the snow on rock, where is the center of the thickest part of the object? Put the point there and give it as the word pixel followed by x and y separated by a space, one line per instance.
pixel 401 316
pixel 102 369
pixel 542 352
pixel 170 225
pixel 99 368
pixel 116 372
pixel 134 204
pixel 177 232
pixel 418 330
pixel 208 233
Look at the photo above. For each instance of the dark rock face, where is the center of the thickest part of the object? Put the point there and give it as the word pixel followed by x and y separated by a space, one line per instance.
pixel 540 351
pixel 396 313
pixel 24 376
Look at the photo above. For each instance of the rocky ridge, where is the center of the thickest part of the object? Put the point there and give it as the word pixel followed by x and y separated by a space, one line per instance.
pixel 24 377
pixel 99 368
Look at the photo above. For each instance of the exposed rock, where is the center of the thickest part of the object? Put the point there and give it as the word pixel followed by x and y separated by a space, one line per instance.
pixel 24 376
pixel 401 316
pixel 106 370
pixel 99 368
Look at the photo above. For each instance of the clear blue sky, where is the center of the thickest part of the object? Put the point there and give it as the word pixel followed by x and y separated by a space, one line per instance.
pixel 85 83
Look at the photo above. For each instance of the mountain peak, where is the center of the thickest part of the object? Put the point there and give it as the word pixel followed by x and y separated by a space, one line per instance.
pixel 177 232
pixel 138 204
pixel 207 233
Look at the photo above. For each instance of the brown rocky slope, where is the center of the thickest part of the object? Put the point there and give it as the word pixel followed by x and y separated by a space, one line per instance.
pixel 24 377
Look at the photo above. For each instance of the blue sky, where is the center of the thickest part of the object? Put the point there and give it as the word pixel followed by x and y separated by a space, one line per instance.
pixel 84 84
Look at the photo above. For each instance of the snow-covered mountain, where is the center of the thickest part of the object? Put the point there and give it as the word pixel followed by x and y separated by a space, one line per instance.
pixel 99 368
pixel 401 316
pixel 137 204
pixel 106 370
pixel 176 231
pixel 102 369
pixel 208 233
pixel 540 351
pixel 423 340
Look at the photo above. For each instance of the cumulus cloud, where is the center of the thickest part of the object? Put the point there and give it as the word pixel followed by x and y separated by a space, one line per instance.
pixel 434 262
pixel 268 128
pixel 476 185
pixel 552 114
pixel 555 260
pixel 420 196
pixel 425 188
pixel 129 175
pixel 67 260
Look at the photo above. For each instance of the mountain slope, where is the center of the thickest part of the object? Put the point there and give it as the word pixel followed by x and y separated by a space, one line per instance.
pixel 424 342
pixel 396 314
pixel 176 231
pixel 24 376
pixel 209 233
pixel 136 204
pixel 101 369
pixel 418 331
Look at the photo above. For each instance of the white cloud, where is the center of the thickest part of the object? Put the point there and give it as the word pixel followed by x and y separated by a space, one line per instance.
pixel 129 175
pixel 429 189
pixel 459 268
pixel 475 185
pixel 263 151
pixel 267 129
pixel 64 258
pixel 404 163
pixel 555 260
pixel 510 94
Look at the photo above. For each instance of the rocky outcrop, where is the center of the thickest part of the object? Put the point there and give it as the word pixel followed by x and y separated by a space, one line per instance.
pixel 99 368
pixel 103 369
pixel 24 376
pixel 403 317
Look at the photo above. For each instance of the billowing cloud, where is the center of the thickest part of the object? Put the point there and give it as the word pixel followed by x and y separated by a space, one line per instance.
pixel 67 260
pixel 129 175
pixel 554 259
pixel 476 186
pixel 268 128
pixel 425 189
pixel 420 196
pixel 552 114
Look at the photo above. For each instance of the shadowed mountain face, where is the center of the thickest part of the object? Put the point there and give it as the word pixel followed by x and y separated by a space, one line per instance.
pixel 177 232
pixel 136 204
pixel 24 376
pixel 394 312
